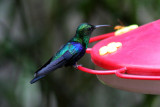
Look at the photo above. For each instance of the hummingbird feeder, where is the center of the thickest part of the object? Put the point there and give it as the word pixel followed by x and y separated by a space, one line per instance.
pixel 128 59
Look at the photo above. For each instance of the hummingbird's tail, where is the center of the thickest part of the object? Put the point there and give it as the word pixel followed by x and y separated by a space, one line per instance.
pixel 47 68
pixel 36 79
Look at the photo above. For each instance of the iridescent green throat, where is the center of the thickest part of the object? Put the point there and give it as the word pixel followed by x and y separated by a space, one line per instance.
pixel 82 38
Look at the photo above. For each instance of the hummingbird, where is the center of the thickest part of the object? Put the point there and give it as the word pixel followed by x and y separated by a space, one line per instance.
pixel 70 53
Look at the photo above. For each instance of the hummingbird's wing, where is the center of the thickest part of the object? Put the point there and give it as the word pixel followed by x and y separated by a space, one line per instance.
pixel 67 55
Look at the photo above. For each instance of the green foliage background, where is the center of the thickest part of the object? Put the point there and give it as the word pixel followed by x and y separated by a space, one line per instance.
pixel 31 31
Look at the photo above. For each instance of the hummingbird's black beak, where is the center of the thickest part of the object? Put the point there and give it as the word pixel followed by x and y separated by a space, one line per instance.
pixel 97 26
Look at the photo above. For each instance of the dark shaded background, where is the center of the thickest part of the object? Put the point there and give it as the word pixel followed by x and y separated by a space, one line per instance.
pixel 32 30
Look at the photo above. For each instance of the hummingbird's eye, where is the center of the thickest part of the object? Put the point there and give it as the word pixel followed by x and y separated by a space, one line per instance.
pixel 89 28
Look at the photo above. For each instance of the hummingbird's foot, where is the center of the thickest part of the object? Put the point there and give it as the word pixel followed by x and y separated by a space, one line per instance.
pixel 76 66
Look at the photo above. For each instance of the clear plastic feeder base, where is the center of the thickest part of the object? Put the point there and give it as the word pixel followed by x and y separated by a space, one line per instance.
pixel 139 86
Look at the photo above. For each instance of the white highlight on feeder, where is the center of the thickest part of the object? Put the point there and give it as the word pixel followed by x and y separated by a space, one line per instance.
pixel 110 48
pixel 125 29
pixel 103 50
